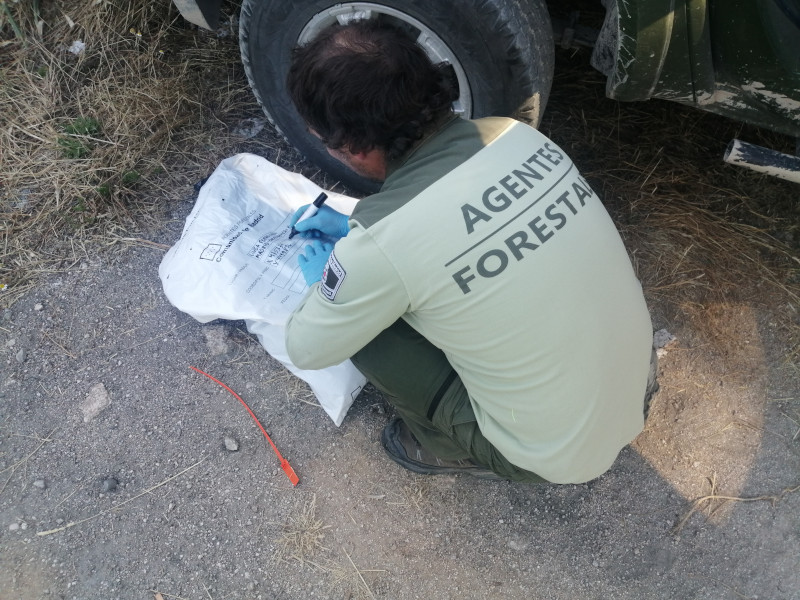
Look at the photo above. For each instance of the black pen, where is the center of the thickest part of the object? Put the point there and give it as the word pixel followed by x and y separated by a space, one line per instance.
pixel 310 212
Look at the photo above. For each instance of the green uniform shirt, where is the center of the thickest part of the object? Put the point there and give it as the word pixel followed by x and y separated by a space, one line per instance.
pixel 489 243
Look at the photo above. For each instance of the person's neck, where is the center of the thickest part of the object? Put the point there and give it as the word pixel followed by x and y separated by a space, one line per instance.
pixel 431 131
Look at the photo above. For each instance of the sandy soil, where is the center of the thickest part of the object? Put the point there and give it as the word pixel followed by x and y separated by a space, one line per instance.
pixel 145 499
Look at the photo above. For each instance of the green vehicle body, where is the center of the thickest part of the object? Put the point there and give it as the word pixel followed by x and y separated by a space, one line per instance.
pixel 737 58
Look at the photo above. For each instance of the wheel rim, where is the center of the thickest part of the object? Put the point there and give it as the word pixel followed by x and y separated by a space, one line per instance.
pixel 434 46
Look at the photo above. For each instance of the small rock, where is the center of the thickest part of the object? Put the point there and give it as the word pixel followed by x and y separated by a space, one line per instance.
pixel 663 339
pixel 23 526
pixel 21 356
pixel 77 47
pixel 38 306
pixel 97 400
pixel 250 128
pixel 40 483
pixel 109 485
pixel 231 444
pixel 13 527
pixel 216 339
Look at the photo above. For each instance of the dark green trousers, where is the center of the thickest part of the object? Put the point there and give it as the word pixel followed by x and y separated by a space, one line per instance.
pixel 429 396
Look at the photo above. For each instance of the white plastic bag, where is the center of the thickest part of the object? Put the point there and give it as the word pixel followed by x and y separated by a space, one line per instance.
pixel 234 260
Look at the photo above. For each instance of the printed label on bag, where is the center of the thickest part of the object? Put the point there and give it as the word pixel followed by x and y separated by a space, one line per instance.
pixel 332 278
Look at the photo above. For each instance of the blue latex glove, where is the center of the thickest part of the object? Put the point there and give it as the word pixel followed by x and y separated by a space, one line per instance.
pixel 327 221
pixel 312 264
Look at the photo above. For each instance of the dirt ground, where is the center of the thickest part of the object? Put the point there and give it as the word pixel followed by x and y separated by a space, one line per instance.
pixel 144 500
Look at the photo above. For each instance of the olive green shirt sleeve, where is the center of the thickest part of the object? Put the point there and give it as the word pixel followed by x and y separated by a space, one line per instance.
pixel 334 321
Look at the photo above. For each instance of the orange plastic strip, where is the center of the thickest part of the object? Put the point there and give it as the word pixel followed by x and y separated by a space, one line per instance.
pixel 284 463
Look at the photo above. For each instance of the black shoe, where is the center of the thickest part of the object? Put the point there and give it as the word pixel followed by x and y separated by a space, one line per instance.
pixel 404 449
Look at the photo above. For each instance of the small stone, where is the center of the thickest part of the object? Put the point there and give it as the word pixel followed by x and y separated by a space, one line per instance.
pixel 40 483
pixel 13 527
pixel 21 356
pixel 97 400
pixel 663 339
pixel 231 444
pixel 37 307
pixel 77 47
pixel 216 339
pixel 250 128
pixel 109 485
pixel 23 525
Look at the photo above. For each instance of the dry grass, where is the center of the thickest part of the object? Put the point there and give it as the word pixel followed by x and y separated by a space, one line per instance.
pixel 350 581
pixel 415 495
pixel 714 501
pixel 302 535
pixel 301 541
pixel 95 145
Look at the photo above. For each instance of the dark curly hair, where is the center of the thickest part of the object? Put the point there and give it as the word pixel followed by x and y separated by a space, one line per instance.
pixel 368 85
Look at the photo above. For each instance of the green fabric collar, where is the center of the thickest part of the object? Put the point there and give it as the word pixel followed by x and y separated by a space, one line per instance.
pixel 396 164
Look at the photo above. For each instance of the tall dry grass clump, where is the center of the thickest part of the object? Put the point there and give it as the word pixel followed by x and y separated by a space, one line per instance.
pixel 106 113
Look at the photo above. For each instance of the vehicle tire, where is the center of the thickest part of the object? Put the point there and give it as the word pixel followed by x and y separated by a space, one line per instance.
pixel 501 52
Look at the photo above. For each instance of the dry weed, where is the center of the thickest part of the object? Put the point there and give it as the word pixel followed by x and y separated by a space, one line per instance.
pixel 350 580
pixel 714 501
pixel 302 535
pixel 301 540
pixel 415 495
pixel 95 144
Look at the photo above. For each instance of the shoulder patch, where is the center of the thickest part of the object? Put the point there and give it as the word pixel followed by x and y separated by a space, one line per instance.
pixel 332 278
